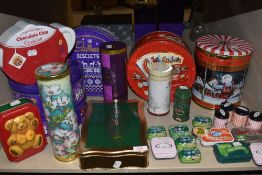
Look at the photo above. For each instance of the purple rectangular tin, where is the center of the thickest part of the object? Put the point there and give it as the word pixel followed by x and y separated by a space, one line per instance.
pixel 86 51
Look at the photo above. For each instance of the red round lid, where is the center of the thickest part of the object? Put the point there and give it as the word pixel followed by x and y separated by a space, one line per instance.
pixel 224 45
pixel 29 48
pixel 178 57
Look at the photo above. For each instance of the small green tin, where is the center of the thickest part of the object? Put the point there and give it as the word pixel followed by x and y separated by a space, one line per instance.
pixel 178 131
pixel 156 131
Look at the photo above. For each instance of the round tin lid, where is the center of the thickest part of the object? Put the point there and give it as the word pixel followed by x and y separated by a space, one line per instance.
pixel 160 69
pixel 50 71
pixel 112 47
pixel 256 116
pixel 224 45
pixel 242 110
pixel 182 62
pixel 221 114
pixel 227 106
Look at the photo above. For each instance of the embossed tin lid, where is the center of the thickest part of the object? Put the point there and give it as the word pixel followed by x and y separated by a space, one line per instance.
pixel 223 45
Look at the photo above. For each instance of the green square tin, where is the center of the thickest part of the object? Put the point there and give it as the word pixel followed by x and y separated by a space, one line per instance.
pixel 113 135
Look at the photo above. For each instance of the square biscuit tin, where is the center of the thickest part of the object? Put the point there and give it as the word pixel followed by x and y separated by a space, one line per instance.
pixel 113 135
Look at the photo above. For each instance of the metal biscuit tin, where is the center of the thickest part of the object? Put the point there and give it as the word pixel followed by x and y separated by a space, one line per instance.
pixel 86 51
pixel 21 132
pixel 113 135
pixel 163 47
pixel 222 64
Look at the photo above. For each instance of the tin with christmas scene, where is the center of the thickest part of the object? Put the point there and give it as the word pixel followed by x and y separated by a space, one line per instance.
pixel 160 47
pixel 221 68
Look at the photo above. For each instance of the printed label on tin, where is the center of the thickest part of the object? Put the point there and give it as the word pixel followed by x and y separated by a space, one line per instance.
pixel 17 60
pixel 62 122
pixel 215 87
pixel 87 53
pixel 31 35
pixel 146 60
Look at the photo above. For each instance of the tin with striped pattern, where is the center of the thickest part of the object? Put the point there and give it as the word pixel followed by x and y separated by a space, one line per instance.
pixel 240 116
pixel 221 69
pixel 254 121
pixel 221 118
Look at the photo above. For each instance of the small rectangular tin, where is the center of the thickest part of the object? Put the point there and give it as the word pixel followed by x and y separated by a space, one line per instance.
pixel 21 130
pixel 113 135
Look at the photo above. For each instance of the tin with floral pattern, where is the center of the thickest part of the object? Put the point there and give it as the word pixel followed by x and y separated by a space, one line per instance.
pixel 55 89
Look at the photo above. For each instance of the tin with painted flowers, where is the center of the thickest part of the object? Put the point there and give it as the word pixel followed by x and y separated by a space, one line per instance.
pixel 55 89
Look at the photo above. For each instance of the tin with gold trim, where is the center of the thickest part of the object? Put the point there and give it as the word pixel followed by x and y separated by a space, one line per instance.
pixel 56 93
pixel 221 65
pixel 113 63
pixel 163 47
pixel 113 135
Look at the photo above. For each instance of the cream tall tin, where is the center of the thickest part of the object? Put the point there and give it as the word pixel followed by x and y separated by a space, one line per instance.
pixel 54 87
pixel 159 88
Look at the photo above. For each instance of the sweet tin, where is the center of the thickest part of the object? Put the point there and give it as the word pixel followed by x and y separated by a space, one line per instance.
pixel 86 52
pixel 202 121
pixel 163 148
pixel 160 49
pixel 190 155
pixel 21 130
pixel 156 131
pixel 256 150
pixel 185 142
pixel 26 46
pixel 217 135
pixel 222 65
pixel 176 131
pixel 232 152
pixel 113 135
pixel 247 135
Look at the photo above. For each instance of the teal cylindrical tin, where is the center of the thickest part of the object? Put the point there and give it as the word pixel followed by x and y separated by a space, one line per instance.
pixel 182 103
pixel 55 90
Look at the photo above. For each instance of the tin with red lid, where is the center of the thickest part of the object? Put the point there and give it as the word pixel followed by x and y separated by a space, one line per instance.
pixel 21 130
pixel 221 66
pixel 25 46
pixel 163 47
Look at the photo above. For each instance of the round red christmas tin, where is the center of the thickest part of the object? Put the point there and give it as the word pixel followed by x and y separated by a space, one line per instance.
pixel 163 47
pixel 221 64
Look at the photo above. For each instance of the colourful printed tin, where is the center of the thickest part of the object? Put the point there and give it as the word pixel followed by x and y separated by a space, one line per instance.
pixel 163 47
pixel 86 51
pixel 222 64
pixel 54 86
pixel 21 132
pixel 26 46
